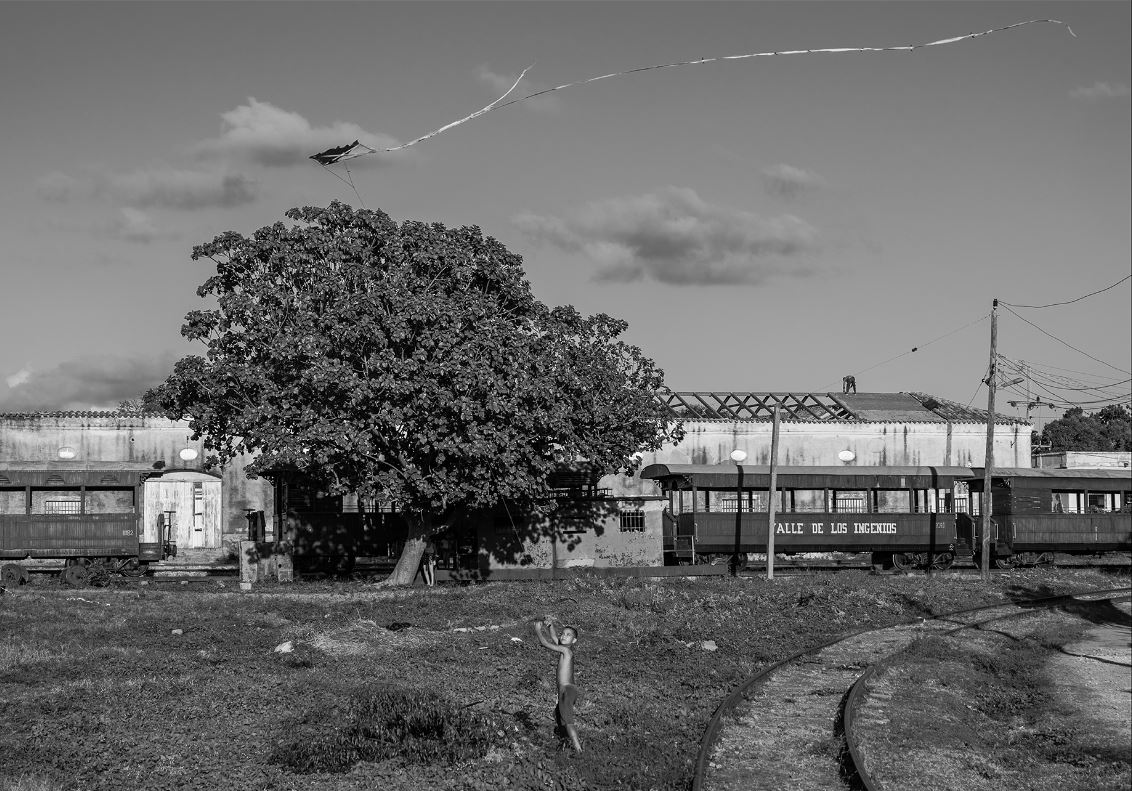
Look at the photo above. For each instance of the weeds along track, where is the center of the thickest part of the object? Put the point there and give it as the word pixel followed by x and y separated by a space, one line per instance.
pixel 868 709
pixel 782 728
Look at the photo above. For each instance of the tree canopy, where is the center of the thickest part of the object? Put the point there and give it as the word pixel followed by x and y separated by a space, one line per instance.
pixel 405 361
pixel 1109 429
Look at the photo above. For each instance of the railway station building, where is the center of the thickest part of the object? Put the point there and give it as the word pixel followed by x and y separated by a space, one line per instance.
pixel 613 520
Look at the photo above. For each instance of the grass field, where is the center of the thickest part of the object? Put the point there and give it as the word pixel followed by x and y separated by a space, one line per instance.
pixel 99 692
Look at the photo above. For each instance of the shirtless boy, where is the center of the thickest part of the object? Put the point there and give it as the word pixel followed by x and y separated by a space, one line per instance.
pixel 567 692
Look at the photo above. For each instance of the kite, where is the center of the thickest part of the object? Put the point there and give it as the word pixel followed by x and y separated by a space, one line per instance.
pixel 332 155
pixel 356 149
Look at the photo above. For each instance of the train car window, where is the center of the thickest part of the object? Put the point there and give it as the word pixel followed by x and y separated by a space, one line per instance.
pixel 41 497
pixel 760 501
pixel 730 503
pixel 1102 502
pixel 13 500
pixel 892 501
pixel 807 501
pixel 850 501
pixel 62 506
pixel 109 501
pixel 1063 502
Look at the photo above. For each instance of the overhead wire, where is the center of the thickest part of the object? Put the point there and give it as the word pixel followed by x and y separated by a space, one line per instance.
pixel 1070 301
pixel 915 348
pixel 1064 343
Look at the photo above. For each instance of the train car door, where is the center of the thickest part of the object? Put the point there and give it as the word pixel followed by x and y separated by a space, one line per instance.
pixel 189 502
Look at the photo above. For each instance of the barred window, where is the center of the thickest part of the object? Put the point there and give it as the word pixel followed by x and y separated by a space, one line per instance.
pixel 61 507
pixel 632 519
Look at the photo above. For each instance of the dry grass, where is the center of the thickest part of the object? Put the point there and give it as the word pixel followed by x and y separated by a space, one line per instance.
pixel 103 697
pixel 979 713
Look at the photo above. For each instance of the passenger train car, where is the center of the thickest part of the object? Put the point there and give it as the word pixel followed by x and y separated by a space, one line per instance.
pixel 1036 512
pixel 905 516
pixel 85 514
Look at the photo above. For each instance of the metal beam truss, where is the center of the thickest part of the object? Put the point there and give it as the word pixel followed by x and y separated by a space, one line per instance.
pixel 822 407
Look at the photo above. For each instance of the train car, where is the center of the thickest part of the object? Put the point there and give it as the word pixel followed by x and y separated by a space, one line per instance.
pixel 1037 512
pixel 85 513
pixel 905 516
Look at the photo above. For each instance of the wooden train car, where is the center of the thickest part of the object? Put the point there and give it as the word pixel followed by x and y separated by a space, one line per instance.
pixel 903 515
pixel 84 513
pixel 1037 512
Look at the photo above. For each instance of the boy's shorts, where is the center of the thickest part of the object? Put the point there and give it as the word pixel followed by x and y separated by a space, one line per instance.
pixel 567 697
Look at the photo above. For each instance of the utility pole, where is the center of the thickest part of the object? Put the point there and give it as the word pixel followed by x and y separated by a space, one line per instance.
pixel 770 498
pixel 988 468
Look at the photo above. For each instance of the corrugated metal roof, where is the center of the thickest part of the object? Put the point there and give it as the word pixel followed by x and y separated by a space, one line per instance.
pixel 888 408
pixel 959 413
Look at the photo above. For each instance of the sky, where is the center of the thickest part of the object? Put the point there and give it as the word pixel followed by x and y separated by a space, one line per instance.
pixel 768 224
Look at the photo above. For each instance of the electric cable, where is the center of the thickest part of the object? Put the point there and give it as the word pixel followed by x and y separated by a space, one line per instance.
pixel 1070 301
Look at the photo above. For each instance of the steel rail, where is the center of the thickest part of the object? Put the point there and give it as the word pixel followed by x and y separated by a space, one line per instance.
pixel 711 732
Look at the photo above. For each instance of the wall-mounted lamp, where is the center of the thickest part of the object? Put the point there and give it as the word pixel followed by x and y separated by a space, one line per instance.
pixel 847 456
pixel 188 454
pixel 67 452
pixel 738 456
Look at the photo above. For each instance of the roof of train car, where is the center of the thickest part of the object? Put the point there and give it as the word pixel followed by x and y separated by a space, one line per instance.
pixel 1050 473
pixel 726 476
pixel 73 473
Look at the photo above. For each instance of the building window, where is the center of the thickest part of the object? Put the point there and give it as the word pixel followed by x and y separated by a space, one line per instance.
pixel 632 520
pixel 61 507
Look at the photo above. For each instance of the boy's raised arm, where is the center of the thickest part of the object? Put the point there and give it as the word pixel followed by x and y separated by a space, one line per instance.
pixel 542 637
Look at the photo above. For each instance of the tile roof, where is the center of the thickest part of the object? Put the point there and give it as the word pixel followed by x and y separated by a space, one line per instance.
pixel 87 413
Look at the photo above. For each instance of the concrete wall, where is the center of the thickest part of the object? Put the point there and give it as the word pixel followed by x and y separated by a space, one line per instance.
pixel 599 545
pixel 137 439
pixel 812 443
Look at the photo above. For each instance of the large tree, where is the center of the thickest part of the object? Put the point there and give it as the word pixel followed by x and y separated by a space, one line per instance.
pixel 405 361
pixel 1109 429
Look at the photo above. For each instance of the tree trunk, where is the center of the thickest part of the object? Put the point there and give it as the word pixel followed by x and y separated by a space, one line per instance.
pixel 410 561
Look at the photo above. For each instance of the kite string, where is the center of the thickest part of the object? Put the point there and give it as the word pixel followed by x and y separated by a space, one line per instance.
pixel 499 103
pixel 348 181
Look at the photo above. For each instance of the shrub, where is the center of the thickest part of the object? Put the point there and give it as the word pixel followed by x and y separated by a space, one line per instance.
pixel 412 725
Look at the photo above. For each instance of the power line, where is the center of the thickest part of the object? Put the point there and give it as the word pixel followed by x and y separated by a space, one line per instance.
pixel 1064 343
pixel 1071 301
pixel 914 349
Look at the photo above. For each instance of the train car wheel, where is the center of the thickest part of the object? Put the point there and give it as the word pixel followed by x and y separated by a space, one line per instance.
pixel 942 561
pixel 13 574
pixel 904 561
pixel 1007 562
pixel 1044 559
pixel 133 567
pixel 76 575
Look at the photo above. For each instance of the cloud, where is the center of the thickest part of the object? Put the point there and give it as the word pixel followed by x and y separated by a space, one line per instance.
pixel 169 188
pixel 60 188
pixel 261 133
pixel 674 236
pixel 1101 90
pixel 89 382
pixel 159 187
pixel 787 181
pixel 501 82
pixel 135 225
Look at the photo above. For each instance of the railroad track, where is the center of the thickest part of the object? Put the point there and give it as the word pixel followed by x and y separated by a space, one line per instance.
pixel 785 727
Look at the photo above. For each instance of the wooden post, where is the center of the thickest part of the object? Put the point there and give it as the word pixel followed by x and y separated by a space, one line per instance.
pixel 988 463
pixel 770 498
